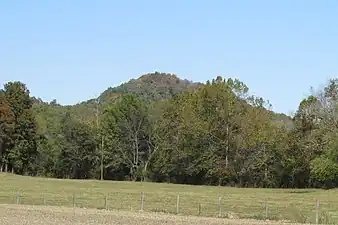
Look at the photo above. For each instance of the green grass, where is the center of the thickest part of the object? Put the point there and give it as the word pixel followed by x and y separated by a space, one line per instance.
pixel 283 204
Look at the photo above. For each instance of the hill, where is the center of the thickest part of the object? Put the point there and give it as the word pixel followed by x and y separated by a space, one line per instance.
pixel 150 87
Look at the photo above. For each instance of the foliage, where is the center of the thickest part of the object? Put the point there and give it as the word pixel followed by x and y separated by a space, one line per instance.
pixel 164 129
pixel 20 146
pixel 127 124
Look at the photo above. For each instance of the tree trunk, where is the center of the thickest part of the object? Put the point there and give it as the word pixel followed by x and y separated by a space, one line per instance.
pixel 136 161
pixel 26 172
pixel 145 176
pixel 132 174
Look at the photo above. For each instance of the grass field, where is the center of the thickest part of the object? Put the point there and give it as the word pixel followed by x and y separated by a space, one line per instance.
pixel 283 204
pixel 49 215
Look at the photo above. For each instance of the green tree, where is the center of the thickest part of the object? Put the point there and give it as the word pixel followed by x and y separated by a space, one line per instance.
pixel 127 128
pixel 22 152
pixel 77 155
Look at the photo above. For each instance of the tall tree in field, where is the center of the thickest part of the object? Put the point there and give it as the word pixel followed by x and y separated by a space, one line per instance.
pixel 127 131
pixel 221 104
pixel 216 106
pixel 22 151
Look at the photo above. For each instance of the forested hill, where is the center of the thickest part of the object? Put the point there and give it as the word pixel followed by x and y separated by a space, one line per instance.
pixel 152 86
pixel 164 129
pixel 148 87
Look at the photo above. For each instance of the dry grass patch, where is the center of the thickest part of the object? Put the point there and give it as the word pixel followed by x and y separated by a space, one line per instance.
pixel 47 215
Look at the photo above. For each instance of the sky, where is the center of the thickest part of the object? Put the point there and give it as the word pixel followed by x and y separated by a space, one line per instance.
pixel 72 50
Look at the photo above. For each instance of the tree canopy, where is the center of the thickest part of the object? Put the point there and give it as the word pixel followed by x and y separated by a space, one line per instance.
pixel 163 129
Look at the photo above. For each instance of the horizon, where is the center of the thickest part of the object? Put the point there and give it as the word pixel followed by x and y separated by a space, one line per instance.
pixel 73 51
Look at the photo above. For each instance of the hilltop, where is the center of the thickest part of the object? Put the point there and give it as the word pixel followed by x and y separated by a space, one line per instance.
pixel 150 87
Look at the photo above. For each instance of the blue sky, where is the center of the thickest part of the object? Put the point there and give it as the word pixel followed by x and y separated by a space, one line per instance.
pixel 72 50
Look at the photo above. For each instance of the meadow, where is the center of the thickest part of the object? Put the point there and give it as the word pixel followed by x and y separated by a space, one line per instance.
pixel 51 215
pixel 297 205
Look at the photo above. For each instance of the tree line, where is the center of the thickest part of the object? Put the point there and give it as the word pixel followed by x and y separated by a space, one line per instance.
pixel 211 134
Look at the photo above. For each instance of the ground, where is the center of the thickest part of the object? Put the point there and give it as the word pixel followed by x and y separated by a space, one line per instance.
pixel 297 205
pixel 49 215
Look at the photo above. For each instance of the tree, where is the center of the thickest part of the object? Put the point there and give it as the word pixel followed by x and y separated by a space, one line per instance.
pixel 77 155
pixel 22 151
pixel 324 167
pixel 127 126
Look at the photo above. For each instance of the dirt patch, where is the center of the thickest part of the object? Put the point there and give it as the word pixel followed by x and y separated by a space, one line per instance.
pixel 45 215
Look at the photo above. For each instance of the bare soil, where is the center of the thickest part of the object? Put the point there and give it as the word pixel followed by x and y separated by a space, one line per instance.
pixel 46 215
